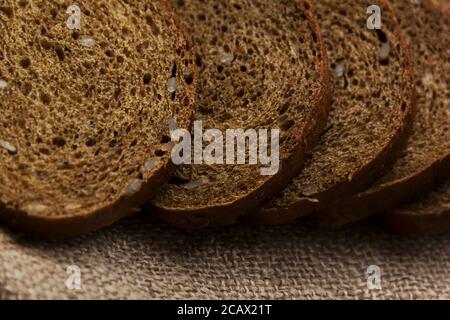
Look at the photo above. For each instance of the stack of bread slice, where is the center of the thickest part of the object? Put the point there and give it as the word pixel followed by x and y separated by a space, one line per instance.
pixel 362 110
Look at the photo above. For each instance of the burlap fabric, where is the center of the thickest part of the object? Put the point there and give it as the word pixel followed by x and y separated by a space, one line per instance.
pixel 140 259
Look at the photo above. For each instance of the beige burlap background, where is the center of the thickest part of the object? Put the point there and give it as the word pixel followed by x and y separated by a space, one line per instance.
pixel 140 259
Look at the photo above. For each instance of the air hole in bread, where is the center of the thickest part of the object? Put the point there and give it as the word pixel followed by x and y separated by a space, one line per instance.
pixel 26 89
pixel 59 141
pixel 109 53
pixel 165 139
pixel 189 78
pixel 75 35
pixel 153 26
pixel 46 44
pixel 147 78
pixel 198 60
pixel 160 153
pixel 205 110
pixel 90 143
pixel 384 62
pixel 46 98
pixel 25 62
pixel 283 108
pixel 381 36
pixel 112 143
pixel 8 11
pixel 44 151
pixel 54 13
pixel 174 70
pixel 60 53
pixel 226 116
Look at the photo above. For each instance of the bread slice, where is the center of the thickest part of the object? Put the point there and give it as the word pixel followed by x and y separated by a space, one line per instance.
pixel 425 162
pixel 85 113
pixel 262 66
pixel 427 216
pixel 371 113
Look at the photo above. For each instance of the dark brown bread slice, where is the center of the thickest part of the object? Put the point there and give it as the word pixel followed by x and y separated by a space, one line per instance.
pixel 85 114
pixel 262 66
pixel 371 113
pixel 427 216
pixel 426 160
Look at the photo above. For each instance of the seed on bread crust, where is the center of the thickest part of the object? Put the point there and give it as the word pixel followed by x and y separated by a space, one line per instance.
pixel 134 187
pixel 36 208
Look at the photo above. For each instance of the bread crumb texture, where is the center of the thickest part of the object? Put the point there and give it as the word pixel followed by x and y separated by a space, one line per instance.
pixel 85 113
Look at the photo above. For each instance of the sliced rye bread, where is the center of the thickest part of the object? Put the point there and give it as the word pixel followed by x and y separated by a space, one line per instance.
pixel 425 162
pixel 370 118
pixel 85 113
pixel 262 66
pixel 427 216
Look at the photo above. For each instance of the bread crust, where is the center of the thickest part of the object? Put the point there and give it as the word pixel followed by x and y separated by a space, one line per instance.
pixel 428 216
pixel 433 221
pixel 306 138
pixel 321 207
pixel 390 195
pixel 105 215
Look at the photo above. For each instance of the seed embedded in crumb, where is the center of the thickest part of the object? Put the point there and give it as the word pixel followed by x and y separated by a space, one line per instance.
pixel 172 85
pixel 172 125
pixel 87 42
pixel 134 187
pixel 293 48
pixel 149 165
pixel 8 146
pixel 196 183
pixel 339 70
pixel 226 58
pixel 385 51
pixel 3 84
pixel 428 78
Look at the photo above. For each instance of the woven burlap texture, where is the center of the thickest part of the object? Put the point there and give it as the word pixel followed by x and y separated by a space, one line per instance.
pixel 139 259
